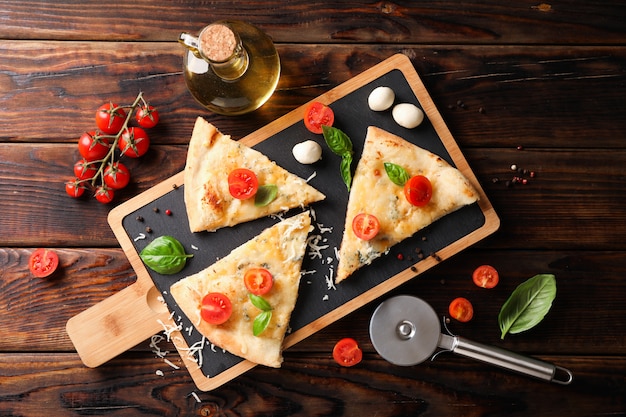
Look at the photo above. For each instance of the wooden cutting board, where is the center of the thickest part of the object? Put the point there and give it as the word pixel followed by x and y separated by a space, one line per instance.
pixel 143 309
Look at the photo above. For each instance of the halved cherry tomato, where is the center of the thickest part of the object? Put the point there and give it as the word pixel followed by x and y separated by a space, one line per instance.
pixel 347 352
pixel 134 142
pixel 43 262
pixel 242 183
pixel 461 309
pixel 486 276
pixel 418 190
pixel 216 308
pixel 116 175
pixel 110 118
pixel 258 281
pixel 147 116
pixel 365 226
pixel 92 146
pixel 75 188
pixel 317 115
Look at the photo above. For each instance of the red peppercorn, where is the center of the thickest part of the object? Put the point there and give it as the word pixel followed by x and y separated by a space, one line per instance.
pixel 400 256
pixel 168 212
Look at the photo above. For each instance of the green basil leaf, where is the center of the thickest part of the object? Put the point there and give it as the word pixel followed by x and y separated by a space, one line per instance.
pixel 260 302
pixel 396 173
pixel 528 304
pixel 261 322
pixel 345 168
pixel 265 194
pixel 337 141
pixel 165 255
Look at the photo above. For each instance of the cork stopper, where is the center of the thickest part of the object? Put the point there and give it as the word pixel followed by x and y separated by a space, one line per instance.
pixel 218 42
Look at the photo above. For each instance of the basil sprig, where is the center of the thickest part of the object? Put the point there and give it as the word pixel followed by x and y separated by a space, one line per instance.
pixel 340 144
pixel 528 304
pixel 263 319
pixel 165 255
pixel 396 173
pixel 265 194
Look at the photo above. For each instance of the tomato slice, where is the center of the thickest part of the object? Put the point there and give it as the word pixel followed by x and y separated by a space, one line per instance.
pixel 258 281
pixel 418 190
pixel 461 309
pixel 242 183
pixel 347 352
pixel 317 115
pixel 365 226
pixel 486 276
pixel 43 262
pixel 216 308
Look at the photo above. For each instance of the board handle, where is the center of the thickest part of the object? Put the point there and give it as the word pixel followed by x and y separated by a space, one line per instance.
pixel 117 324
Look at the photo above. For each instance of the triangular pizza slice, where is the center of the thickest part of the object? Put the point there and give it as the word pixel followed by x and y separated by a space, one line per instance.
pixel 243 302
pixel 380 214
pixel 227 182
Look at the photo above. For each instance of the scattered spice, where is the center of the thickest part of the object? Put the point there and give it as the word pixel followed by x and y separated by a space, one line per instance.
pixel 139 218
pixel 175 186
pixel 413 269
pixel 148 229
pixel 156 209
pixel 435 256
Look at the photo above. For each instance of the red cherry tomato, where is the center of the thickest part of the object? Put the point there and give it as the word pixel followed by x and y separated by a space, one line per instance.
pixel 347 352
pixel 104 195
pixel 43 262
pixel 317 115
pixel 258 281
pixel 486 276
pixel 242 183
pixel 418 190
pixel 147 116
pixel 116 176
pixel 461 309
pixel 110 118
pixel 134 142
pixel 74 188
pixel 92 146
pixel 216 308
pixel 365 226
pixel 84 170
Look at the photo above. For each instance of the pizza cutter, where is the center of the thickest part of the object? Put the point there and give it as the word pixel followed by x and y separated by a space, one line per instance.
pixel 405 331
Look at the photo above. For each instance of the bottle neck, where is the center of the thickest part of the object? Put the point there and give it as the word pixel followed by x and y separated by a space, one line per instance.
pixel 222 48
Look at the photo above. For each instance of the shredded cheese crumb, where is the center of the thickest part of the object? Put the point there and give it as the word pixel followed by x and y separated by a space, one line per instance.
pixel 325 297
pixel 170 363
pixel 313 175
pixel 195 396
pixel 140 237
pixel 159 372
pixel 194 247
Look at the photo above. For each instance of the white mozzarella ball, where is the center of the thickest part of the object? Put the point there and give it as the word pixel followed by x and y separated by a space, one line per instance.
pixel 307 152
pixel 381 98
pixel 407 115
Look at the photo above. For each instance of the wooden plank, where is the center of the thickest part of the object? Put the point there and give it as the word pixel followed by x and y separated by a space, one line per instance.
pixel 306 386
pixel 565 81
pixel 312 22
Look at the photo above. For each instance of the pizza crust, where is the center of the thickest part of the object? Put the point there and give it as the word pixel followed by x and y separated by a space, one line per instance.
pixel 373 192
pixel 280 249
pixel 210 158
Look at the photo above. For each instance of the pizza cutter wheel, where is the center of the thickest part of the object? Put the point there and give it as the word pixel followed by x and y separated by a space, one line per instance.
pixel 405 331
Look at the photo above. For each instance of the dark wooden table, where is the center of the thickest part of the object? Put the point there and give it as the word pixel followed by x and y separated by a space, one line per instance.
pixel 539 85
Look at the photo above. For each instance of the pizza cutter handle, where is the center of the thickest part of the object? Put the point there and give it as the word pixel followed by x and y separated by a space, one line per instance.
pixel 512 361
pixel 117 324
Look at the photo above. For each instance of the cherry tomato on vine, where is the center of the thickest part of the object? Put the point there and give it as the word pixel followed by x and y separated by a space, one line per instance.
pixel 418 190
pixel 104 194
pixel 461 309
pixel 347 352
pixel 75 188
pixel 43 262
pixel 486 276
pixel 147 116
pixel 84 170
pixel 258 281
pixel 216 308
pixel 92 146
pixel 110 118
pixel 134 142
pixel 365 226
pixel 316 115
pixel 116 176
pixel 242 183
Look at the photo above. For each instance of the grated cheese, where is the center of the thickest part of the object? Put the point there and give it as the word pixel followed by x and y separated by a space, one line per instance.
pixel 313 175
pixel 140 237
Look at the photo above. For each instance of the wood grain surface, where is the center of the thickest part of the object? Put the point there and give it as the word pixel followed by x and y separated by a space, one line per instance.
pixel 538 85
